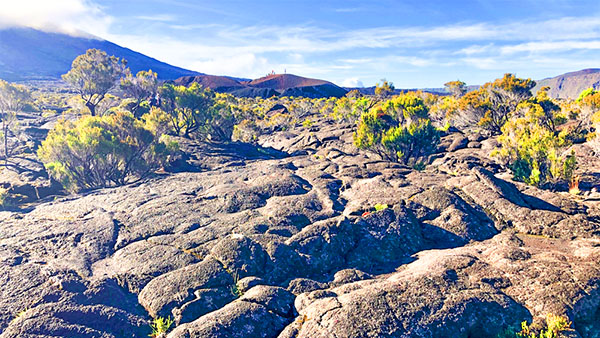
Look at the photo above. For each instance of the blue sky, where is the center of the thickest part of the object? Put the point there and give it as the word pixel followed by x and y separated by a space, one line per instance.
pixel 411 43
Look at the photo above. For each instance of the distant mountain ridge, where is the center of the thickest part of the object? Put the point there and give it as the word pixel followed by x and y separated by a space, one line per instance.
pixel 570 85
pixel 268 86
pixel 30 54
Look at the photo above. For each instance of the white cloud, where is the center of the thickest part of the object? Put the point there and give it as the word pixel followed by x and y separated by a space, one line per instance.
pixel 238 65
pixel 352 82
pixel 76 17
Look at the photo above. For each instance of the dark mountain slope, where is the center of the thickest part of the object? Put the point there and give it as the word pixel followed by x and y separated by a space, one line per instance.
pixel 29 54
pixel 569 85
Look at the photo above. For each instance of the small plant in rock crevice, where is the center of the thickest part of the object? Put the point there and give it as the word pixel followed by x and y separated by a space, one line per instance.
pixel 380 207
pixel 160 326
pixel 234 288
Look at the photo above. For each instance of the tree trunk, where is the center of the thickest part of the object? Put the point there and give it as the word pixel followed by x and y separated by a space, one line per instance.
pixel 91 107
pixel 5 136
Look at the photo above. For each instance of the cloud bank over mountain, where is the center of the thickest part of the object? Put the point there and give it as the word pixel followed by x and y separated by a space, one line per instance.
pixel 75 17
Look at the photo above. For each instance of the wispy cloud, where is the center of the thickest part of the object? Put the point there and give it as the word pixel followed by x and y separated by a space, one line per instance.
pixel 550 46
pixel 349 9
pixel 190 27
pixel 158 17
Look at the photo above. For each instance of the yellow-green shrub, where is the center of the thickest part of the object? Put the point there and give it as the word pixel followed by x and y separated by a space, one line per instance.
pixel 555 325
pixel 102 151
pixel 196 110
pixel 246 131
pixel 532 149
pixel 398 130
pixel 491 106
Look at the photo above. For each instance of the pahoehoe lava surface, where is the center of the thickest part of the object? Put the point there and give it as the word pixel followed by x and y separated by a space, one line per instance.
pixel 461 251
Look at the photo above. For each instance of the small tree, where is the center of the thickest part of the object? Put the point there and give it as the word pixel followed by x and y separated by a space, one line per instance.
pixel 195 109
pixel 93 75
pixel 541 107
pixel 141 87
pixel 443 111
pixel 13 99
pixel 406 108
pixel 384 89
pixel 97 152
pixel 456 88
pixel 491 106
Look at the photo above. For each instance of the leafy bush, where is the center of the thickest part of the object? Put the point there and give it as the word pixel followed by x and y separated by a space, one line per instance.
pixel 96 152
pixel 198 110
pixel 456 88
pixel 406 108
pixel 443 111
pixel 491 106
pixel 246 131
pixel 589 117
pixel 555 325
pixel 157 121
pixel 532 149
pixel 542 108
pixel 141 87
pixel 398 130
pixel 13 98
pixel 412 141
pixel 4 192
pixel 344 109
pixel 384 89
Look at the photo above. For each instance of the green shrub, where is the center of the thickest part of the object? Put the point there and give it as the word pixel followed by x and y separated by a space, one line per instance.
pixel 414 141
pixel 141 88
pixel 247 131
pixel 96 152
pixel 235 288
pixel 160 326
pixel 531 147
pixel 492 105
pixel 4 193
pixel 307 123
pixel 555 325
pixel 398 130
pixel 406 108
pixel 196 110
